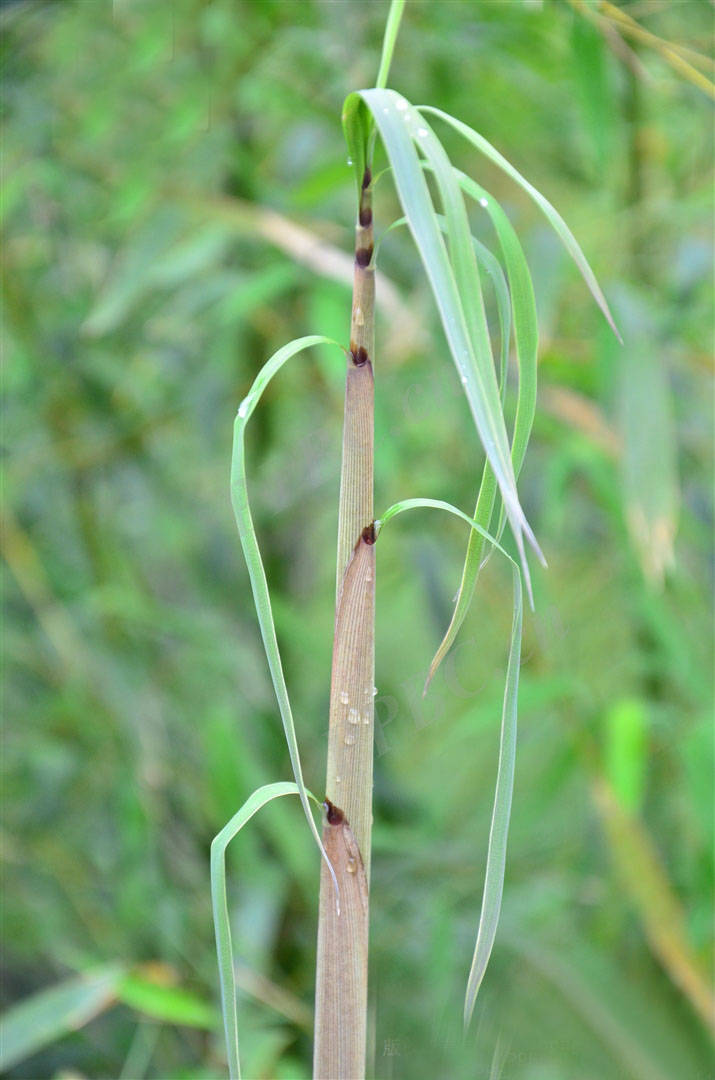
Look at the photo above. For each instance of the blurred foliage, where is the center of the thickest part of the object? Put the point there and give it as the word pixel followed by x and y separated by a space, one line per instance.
pixel 144 286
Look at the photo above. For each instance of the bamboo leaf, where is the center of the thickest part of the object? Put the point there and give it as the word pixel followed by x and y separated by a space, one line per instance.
pixel 491 266
pixel 501 812
pixel 222 924
pixel 454 280
pixel 392 27
pixel 356 131
pixel 252 554
pixel 555 220
pixel 526 340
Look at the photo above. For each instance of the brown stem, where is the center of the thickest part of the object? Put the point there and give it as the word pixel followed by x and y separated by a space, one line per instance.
pixel 341 976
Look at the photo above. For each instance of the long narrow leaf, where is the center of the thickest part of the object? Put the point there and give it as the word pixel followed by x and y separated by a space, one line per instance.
pixel 399 130
pixel 526 335
pixel 501 812
pixel 392 26
pixel 252 554
pixel 555 220
pixel 222 923
pixel 491 266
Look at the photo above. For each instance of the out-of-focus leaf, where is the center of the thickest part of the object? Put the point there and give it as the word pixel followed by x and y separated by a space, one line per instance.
pixel 625 752
pixel 649 463
pixel 650 891
pixel 591 75
pixel 48 1015
pixel 172 1004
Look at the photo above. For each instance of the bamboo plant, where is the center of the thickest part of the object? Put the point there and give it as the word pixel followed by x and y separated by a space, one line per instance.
pixel 454 262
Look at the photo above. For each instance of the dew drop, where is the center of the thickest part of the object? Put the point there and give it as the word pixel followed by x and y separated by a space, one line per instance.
pixel 243 408
pixel 401 104
pixel 366 718
pixel 374 691
pixel 464 380
pixel 353 717
pixel 483 202
pixel 344 697
pixel 338 779
pixel 351 866
pixel 422 132
pixel 350 740
pixel 350 161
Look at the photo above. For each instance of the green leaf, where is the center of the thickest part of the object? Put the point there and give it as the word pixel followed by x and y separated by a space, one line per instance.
pixel 649 465
pixel 625 752
pixel 254 563
pixel 356 129
pixel 454 280
pixel 222 923
pixel 172 1004
pixel 392 26
pixel 501 812
pixel 555 220
pixel 50 1014
pixel 526 339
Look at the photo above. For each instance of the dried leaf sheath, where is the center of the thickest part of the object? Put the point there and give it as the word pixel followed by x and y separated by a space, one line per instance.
pixel 340 1017
pixel 350 742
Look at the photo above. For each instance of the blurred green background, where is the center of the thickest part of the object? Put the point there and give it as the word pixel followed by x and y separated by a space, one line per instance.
pixel 176 205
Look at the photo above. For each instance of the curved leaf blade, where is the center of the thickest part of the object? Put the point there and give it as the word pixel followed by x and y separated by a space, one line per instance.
pixel 526 340
pixel 501 811
pixel 219 902
pixel 454 283
pixel 254 563
pixel 555 220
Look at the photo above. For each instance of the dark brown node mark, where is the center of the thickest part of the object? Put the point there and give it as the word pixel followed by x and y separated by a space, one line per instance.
pixel 334 814
pixel 365 216
pixel 368 534
pixel 363 256
pixel 366 179
pixel 359 355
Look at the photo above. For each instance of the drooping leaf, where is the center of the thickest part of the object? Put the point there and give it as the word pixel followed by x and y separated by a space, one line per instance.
pixel 252 554
pixel 555 220
pixel 501 812
pixel 526 332
pixel 222 923
pixel 454 281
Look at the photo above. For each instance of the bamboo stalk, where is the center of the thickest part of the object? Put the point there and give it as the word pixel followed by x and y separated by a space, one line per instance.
pixel 341 975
